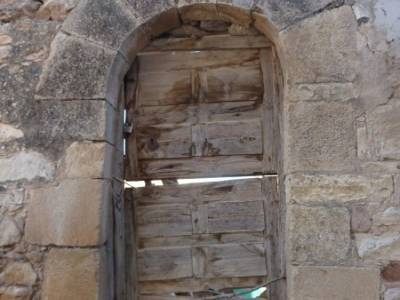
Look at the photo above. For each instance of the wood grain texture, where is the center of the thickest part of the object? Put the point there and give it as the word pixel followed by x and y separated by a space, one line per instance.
pixel 220 41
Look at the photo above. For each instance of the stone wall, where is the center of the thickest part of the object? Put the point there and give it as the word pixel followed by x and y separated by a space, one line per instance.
pixel 61 66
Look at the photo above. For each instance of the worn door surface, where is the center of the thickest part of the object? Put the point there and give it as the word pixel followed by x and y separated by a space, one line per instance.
pixel 202 108
pixel 194 237
pixel 202 112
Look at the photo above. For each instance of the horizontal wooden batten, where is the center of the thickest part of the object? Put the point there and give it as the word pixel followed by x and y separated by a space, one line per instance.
pixel 197 284
pixel 200 167
pixel 219 41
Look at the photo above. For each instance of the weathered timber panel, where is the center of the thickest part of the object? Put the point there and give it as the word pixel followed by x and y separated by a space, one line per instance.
pixel 203 113
pixel 199 232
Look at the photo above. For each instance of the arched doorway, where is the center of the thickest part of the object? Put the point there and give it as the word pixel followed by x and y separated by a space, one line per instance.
pixel 202 101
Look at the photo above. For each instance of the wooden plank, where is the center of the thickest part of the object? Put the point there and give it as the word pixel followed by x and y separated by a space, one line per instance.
pixel 197 285
pixel 201 167
pixel 164 62
pixel 230 190
pixel 163 264
pixel 231 138
pixel 164 220
pixel 269 128
pixel 220 41
pixel 236 260
pixel 197 240
pixel 232 83
pixel 199 261
pixel 164 142
pixel 164 87
pixel 200 218
pixel 202 112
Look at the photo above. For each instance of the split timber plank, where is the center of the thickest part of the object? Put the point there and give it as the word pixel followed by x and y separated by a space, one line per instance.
pixel 163 63
pixel 201 167
pixel 220 41
pixel 197 240
pixel 164 264
pixel 198 285
pixel 231 190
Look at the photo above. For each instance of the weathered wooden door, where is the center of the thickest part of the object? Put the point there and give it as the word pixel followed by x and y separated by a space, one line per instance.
pixel 201 112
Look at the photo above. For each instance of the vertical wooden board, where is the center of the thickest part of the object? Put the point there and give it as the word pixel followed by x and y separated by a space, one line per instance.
pixel 163 88
pixel 164 142
pixel 164 220
pixel 236 260
pixel 270 155
pixel 232 83
pixel 232 138
pixel 163 264
pixel 199 218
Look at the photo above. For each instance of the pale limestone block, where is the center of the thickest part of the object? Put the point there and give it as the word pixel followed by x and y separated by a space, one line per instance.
pixel 86 160
pixel 304 188
pixel 334 283
pixel 26 165
pixel 378 247
pixel 318 234
pixel 70 214
pixel 10 233
pixel 71 274
pixel 18 273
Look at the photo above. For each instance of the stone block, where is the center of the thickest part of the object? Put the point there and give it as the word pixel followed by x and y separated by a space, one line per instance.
pixel 9 133
pixel 391 272
pixel 305 188
pixel 109 23
pixel 10 233
pixel 56 10
pixel 321 136
pixel 392 294
pixel 361 220
pixel 322 48
pixel 334 283
pixel 26 165
pixel 379 134
pixel 18 273
pixel 287 12
pixel 150 8
pixel 87 160
pixel 57 122
pixel 71 274
pixel 15 292
pixel 376 248
pixel 318 234
pixel 75 69
pixel 322 92
pixel 70 214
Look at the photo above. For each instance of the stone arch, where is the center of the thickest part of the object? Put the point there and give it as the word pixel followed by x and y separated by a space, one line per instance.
pixel 90 56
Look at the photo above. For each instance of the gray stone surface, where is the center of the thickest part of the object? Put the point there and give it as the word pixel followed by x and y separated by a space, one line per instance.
pixel 318 234
pixel 322 48
pixel 75 69
pixel 379 134
pixel 320 137
pixel 334 283
pixel 284 13
pixel 10 234
pixel 18 273
pixel 150 8
pixel 108 24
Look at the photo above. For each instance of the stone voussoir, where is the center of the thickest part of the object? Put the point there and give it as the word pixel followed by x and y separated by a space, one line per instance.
pixel 75 69
pixel 109 23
